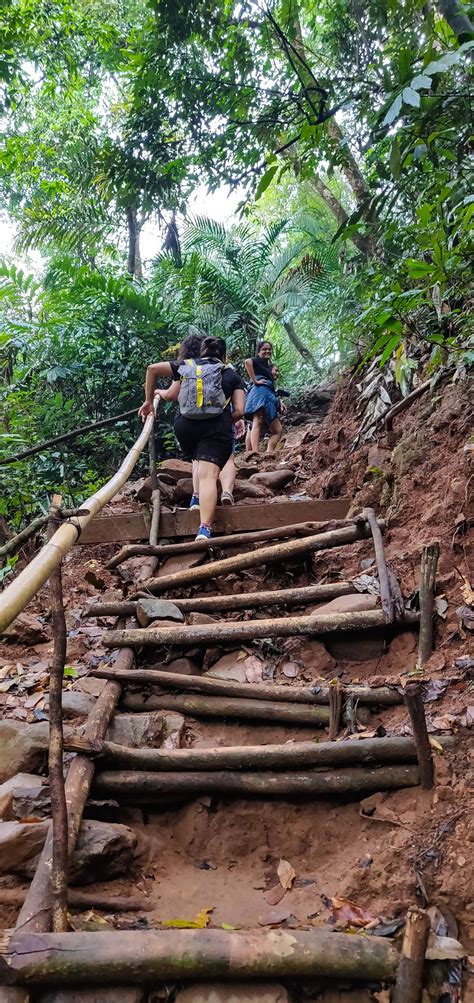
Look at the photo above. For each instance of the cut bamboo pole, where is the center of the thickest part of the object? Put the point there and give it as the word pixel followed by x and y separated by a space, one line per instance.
pixel 409 981
pixel 128 785
pixel 416 710
pixel 231 540
pixel 16 595
pixel 429 563
pixel 155 515
pixel 383 695
pixel 83 901
pixel 382 570
pixel 266 555
pixel 303 596
pixel 373 751
pixel 249 630
pixel 126 957
pixel 43 446
pixel 59 864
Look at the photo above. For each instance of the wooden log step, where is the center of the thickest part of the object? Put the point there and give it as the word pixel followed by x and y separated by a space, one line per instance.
pixel 384 695
pixel 265 555
pixel 83 901
pixel 146 787
pixel 302 596
pixel 254 757
pixel 164 550
pixel 196 705
pixel 126 957
pixel 249 630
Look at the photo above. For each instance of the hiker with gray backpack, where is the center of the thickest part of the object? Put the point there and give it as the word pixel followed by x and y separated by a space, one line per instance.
pixel 211 400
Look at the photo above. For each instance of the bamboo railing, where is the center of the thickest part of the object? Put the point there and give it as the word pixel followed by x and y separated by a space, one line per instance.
pixel 16 596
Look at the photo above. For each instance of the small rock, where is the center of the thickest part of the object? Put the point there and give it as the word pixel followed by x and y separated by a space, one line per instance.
pixel 245 490
pixel 75 703
pixel 177 469
pixel 135 730
pixel 20 842
pixel 184 489
pixel 295 439
pixel 184 666
pixel 194 619
pixel 173 729
pixel 103 851
pixel 348 604
pixel 230 666
pixel 233 992
pixel 274 479
pixel 246 470
pixel 24 795
pixel 23 748
pixel 149 610
pixel 314 656
pixel 26 629
pixel 181 563
pixel 93 687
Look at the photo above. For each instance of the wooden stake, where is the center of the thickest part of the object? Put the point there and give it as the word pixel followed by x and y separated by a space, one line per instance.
pixel 335 710
pixel 231 540
pixel 317 694
pixel 59 868
pixel 248 630
pixel 266 555
pixel 304 596
pixel 384 581
pixel 416 710
pixel 409 981
pixel 429 563
pixel 290 756
pixel 123 957
pixel 155 516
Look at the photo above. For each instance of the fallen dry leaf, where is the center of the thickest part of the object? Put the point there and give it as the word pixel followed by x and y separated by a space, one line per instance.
pixel 198 923
pixel 286 874
pixel 275 894
pixel 290 669
pixel 347 913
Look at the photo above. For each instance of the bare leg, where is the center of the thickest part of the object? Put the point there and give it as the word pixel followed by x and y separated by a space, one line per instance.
pixel 196 477
pixel 227 475
pixel 257 429
pixel 248 439
pixel 208 474
pixel 275 435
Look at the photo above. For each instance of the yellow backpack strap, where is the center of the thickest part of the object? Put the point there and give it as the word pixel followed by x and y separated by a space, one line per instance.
pixel 199 387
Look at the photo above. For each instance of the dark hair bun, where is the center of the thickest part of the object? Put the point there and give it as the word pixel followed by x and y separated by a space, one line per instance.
pixel 213 348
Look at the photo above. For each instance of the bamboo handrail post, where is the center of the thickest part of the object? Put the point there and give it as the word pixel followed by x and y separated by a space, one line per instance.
pixel 429 563
pixel 384 580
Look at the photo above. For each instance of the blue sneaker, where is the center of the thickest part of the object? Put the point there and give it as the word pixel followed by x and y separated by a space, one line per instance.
pixel 194 503
pixel 204 533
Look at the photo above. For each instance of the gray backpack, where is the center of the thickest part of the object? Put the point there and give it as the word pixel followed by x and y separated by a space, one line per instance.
pixel 201 394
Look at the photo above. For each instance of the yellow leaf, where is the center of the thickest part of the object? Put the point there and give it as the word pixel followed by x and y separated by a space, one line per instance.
pixel 228 926
pixel 198 923
pixel 434 744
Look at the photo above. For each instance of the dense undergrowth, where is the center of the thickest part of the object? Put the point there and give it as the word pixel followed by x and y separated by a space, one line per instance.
pixel 346 132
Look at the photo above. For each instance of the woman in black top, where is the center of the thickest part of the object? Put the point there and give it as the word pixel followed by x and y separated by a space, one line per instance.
pixel 208 440
pixel 262 402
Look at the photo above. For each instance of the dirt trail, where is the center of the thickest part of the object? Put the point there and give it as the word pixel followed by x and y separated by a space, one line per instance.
pixel 223 854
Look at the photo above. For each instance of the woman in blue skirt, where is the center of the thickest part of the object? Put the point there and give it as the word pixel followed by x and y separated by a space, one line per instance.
pixel 262 405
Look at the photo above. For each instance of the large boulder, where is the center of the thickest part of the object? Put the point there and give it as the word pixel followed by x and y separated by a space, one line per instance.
pixel 177 468
pixel 244 490
pixel 136 730
pixel 104 850
pixel 20 843
pixel 23 747
pixel 23 796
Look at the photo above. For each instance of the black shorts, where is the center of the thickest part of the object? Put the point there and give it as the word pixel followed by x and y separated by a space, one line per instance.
pixel 208 439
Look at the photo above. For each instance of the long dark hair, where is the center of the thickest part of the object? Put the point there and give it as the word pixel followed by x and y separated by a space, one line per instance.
pixel 190 348
pixel 260 345
pixel 213 348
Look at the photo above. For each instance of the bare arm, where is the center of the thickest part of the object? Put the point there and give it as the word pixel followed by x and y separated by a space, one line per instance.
pixel 251 372
pixel 156 369
pixel 238 404
pixel 171 393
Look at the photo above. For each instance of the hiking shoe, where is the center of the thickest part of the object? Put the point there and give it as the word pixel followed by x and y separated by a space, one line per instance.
pixel 227 498
pixel 194 503
pixel 204 533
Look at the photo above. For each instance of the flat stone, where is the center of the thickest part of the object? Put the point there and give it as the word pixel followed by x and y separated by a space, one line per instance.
pixel 194 619
pixel 135 730
pixel 103 851
pixel 24 795
pixel 229 666
pixel 177 468
pixel 173 730
pixel 75 703
pixel 149 610
pixel 181 563
pixel 184 489
pixel 93 687
pixel 184 666
pixel 295 438
pixel 26 629
pixel 245 470
pixel 315 657
pixel 233 992
pixel 274 479
pixel 20 842
pixel 347 604
pixel 23 747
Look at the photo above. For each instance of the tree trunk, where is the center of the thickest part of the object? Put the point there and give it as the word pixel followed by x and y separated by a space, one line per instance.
pixel 130 957
pixel 383 695
pixel 231 707
pixel 230 632
pixel 291 756
pixel 134 262
pixel 305 352
pixel 456 16
pixel 145 788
